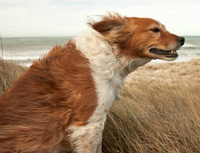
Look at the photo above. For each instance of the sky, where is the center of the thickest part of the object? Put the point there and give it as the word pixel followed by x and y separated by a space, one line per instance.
pixel 24 18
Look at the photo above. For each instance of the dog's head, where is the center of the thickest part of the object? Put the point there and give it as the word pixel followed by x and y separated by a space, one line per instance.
pixel 139 37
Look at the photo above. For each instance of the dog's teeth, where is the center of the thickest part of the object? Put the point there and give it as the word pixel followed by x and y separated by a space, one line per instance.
pixel 173 51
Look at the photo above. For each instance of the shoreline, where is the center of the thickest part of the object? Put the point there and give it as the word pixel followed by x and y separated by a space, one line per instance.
pixel 28 62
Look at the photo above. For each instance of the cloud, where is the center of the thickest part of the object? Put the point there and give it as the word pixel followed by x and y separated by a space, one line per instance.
pixel 67 17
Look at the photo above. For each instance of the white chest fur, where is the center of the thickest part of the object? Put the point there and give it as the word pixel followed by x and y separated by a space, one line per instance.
pixel 108 71
pixel 108 75
pixel 105 67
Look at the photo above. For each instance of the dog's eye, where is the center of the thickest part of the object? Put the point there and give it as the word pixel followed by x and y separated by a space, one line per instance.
pixel 155 30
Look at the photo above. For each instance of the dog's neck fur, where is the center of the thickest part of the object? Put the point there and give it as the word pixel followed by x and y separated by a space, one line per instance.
pixel 95 46
pixel 108 68
pixel 108 72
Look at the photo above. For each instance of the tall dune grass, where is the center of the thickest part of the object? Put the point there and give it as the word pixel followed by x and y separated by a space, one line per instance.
pixel 9 72
pixel 159 111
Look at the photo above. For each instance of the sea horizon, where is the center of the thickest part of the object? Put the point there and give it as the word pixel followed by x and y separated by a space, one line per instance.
pixel 24 50
pixel 43 36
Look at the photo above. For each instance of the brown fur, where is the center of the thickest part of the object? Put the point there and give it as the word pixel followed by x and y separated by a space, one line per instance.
pixel 54 93
pixel 58 90
pixel 134 37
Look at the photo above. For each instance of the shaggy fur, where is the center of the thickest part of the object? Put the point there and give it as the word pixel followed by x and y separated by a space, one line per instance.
pixel 61 102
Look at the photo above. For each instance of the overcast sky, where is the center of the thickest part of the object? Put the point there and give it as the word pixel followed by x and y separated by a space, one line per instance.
pixel 69 17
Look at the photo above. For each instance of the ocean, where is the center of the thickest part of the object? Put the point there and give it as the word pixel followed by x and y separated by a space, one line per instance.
pixel 26 49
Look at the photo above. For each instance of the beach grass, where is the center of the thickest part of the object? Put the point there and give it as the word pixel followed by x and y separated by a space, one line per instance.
pixel 9 71
pixel 159 111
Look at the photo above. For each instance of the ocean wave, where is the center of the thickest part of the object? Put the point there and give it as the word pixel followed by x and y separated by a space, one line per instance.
pixel 31 55
pixel 190 46
pixel 21 58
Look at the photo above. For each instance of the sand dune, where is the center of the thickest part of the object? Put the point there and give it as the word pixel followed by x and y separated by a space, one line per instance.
pixel 171 72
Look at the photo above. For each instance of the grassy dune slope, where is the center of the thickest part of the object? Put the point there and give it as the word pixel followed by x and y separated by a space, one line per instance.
pixel 159 111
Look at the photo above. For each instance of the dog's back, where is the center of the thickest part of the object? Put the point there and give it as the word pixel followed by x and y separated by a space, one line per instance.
pixel 50 96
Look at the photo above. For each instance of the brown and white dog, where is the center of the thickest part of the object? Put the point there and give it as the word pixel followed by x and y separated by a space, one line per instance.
pixel 61 102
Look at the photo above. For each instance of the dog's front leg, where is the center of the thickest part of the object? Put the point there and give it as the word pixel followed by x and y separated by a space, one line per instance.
pixel 88 138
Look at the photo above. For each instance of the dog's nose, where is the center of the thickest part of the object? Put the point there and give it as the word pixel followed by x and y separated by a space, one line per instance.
pixel 181 40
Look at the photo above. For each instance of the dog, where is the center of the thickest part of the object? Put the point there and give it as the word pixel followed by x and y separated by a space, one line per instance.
pixel 60 103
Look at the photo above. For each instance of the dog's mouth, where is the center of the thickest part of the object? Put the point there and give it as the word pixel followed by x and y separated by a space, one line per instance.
pixel 166 53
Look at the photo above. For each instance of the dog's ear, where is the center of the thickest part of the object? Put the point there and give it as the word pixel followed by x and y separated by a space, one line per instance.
pixel 108 23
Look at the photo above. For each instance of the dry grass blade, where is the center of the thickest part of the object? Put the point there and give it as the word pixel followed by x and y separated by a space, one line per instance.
pixel 159 111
